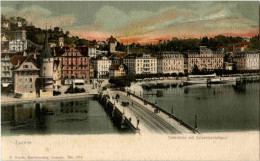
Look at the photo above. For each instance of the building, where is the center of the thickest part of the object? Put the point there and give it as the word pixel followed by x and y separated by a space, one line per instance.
pixel 117 70
pixel 115 59
pixel 5 23
pixel 61 41
pixel 205 60
pixel 140 63
pixel 19 42
pixel 74 63
pixel 112 42
pixel 25 75
pixel 170 62
pixel 228 66
pixel 91 72
pixel 6 67
pixel 247 60
pixel 102 43
pixel 101 66
pixel 92 50
pixel 3 38
pixel 101 52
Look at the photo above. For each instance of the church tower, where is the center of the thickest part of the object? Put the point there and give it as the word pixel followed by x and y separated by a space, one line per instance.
pixel 46 63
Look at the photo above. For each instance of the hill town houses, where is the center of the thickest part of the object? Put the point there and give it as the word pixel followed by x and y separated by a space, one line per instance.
pixel 39 73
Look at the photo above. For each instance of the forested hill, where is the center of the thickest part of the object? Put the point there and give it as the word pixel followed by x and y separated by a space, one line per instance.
pixel 36 35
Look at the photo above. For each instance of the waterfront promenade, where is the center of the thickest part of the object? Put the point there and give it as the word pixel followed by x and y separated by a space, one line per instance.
pixel 10 100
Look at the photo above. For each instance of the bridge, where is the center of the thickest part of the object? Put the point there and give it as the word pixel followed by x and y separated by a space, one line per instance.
pixel 140 115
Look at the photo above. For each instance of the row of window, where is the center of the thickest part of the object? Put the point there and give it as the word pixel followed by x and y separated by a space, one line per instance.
pixel 26 79
pixel 28 73
pixel 25 86
pixel 6 68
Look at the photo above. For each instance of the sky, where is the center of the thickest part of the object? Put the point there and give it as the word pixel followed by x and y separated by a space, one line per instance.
pixel 141 22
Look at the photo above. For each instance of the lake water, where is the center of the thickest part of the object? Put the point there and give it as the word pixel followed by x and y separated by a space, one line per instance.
pixel 77 116
pixel 218 108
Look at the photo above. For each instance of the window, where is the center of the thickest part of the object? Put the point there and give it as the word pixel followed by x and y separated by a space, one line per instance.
pixel 25 86
pixel 25 66
pixel 30 79
pixel 31 85
pixel 25 79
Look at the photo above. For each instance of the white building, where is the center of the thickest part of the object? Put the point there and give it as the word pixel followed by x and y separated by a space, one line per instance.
pixel 170 62
pixel 19 43
pixel 252 61
pixel 101 52
pixel 140 64
pixel 205 60
pixel 8 61
pixel 247 61
pixel 101 66
pixel 92 50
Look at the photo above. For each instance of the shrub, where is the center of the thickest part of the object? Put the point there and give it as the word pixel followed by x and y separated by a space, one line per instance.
pixel 75 90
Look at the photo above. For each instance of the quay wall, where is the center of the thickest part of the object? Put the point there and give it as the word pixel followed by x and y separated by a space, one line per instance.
pixel 117 117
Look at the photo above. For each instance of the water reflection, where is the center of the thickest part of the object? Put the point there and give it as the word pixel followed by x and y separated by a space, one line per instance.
pixel 77 116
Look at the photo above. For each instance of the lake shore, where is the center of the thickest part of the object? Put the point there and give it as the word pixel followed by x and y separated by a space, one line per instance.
pixel 10 100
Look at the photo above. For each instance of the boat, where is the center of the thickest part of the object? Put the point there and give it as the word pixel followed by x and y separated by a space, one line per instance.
pixel 229 79
pixel 203 79
pixel 218 80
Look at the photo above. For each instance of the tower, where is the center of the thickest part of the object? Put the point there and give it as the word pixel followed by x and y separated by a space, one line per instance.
pixel 112 44
pixel 61 41
pixel 46 63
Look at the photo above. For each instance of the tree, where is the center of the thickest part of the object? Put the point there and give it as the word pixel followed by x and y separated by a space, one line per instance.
pixel 195 69
pixel 254 42
pixel 67 33
pixel 205 41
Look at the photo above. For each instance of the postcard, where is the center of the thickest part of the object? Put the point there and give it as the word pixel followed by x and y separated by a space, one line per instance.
pixel 129 80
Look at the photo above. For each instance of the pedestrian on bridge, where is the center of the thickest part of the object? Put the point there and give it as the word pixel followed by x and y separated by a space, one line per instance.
pixel 137 122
